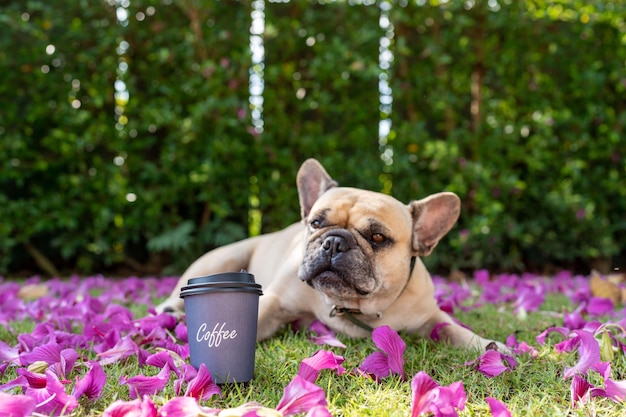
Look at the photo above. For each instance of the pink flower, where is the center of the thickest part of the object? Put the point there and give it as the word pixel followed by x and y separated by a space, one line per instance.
pixel 588 353
pixel 599 306
pixel 135 408
pixel 430 397
pixel 91 384
pixel 300 396
pixel 579 390
pixel 186 407
pixel 323 359
pixel 122 349
pixel 16 405
pixel 434 333
pixel 491 363
pixel 141 385
pixel 51 398
pixel 498 409
pixel 202 386
pixel 390 359
pixel 324 335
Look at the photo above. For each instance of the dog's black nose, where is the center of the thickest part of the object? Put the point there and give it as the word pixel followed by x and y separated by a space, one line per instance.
pixel 335 244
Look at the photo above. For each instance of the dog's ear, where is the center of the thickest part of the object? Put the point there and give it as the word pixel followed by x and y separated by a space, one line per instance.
pixel 433 217
pixel 313 181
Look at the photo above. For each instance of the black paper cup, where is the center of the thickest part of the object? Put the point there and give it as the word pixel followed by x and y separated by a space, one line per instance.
pixel 222 312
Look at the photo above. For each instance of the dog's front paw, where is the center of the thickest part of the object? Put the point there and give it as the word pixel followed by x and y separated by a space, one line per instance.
pixel 170 308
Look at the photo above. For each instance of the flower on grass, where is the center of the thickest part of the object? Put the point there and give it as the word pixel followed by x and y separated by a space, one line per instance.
pixel 389 359
pixel 581 390
pixel 186 407
pixel 141 385
pixel 520 347
pixel 202 387
pixel 323 359
pixel 492 363
pixel 91 384
pixel 498 409
pixel 430 397
pixel 588 353
pixel 300 396
pixel 324 335
pixel 434 333
pixel 16 405
pixel 135 408
pixel 600 306
pixel 52 398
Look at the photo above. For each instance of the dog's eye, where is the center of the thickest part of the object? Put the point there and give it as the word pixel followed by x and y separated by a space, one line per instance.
pixel 378 238
pixel 315 224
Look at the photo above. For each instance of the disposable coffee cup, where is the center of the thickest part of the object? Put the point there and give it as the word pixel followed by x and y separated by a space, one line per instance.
pixel 222 312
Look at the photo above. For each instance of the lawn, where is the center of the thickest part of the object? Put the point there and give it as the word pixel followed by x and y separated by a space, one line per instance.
pixel 91 346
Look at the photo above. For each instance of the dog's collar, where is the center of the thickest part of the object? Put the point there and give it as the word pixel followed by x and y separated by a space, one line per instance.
pixel 350 313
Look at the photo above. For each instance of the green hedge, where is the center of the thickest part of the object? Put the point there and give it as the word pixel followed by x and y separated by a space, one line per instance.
pixel 516 106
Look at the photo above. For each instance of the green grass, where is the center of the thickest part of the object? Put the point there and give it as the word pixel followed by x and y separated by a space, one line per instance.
pixel 535 388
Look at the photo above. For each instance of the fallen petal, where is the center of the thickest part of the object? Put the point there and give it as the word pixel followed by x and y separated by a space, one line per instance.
pixel 490 363
pixel 135 408
pixel 498 409
pixel 186 407
pixel 430 397
pixel 300 396
pixel 390 342
pixel 141 385
pixel 376 365
pixel 323 359
pixel 202 387
pixel 324 335
pixel 16 405
pixel 588 353
pixel 92 383
pixel 52 399
pixel 579 390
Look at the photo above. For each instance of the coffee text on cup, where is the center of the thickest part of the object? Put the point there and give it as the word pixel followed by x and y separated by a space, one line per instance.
pixel 214 337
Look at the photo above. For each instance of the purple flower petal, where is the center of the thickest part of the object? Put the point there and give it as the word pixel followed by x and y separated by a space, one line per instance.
pixel 160 359
pixel 376 365
pixel 615 390
pixel 600 306
pixel 323 359
pixel 138 408
pixel 52 398
pixel 122 349
pixel 490 363
pixel 388 340
pixel 563 331
pixel 434 334
pixel 49 353
pixel 300 396
pixel 579 390
pixel 319 411
pixel 202 387
pixel 186 407
pixel 498 409
pixel 16 405
pixel 430 397
pixel 324 335
pixel 588 353
pixel 92 383
pixel 141 385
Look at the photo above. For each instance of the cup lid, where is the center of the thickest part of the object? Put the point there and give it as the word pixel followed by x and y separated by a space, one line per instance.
pixel 234 277
pixel 227 281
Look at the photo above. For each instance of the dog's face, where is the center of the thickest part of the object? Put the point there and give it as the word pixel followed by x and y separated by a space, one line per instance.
pixel 359 243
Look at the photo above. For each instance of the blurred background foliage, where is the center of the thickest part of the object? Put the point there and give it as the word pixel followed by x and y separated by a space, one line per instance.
pixel 130 143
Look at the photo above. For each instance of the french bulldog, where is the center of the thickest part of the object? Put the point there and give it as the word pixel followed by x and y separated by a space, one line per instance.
pixel 353 263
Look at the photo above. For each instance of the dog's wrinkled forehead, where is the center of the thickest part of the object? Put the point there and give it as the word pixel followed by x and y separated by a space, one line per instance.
pixel 361 209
